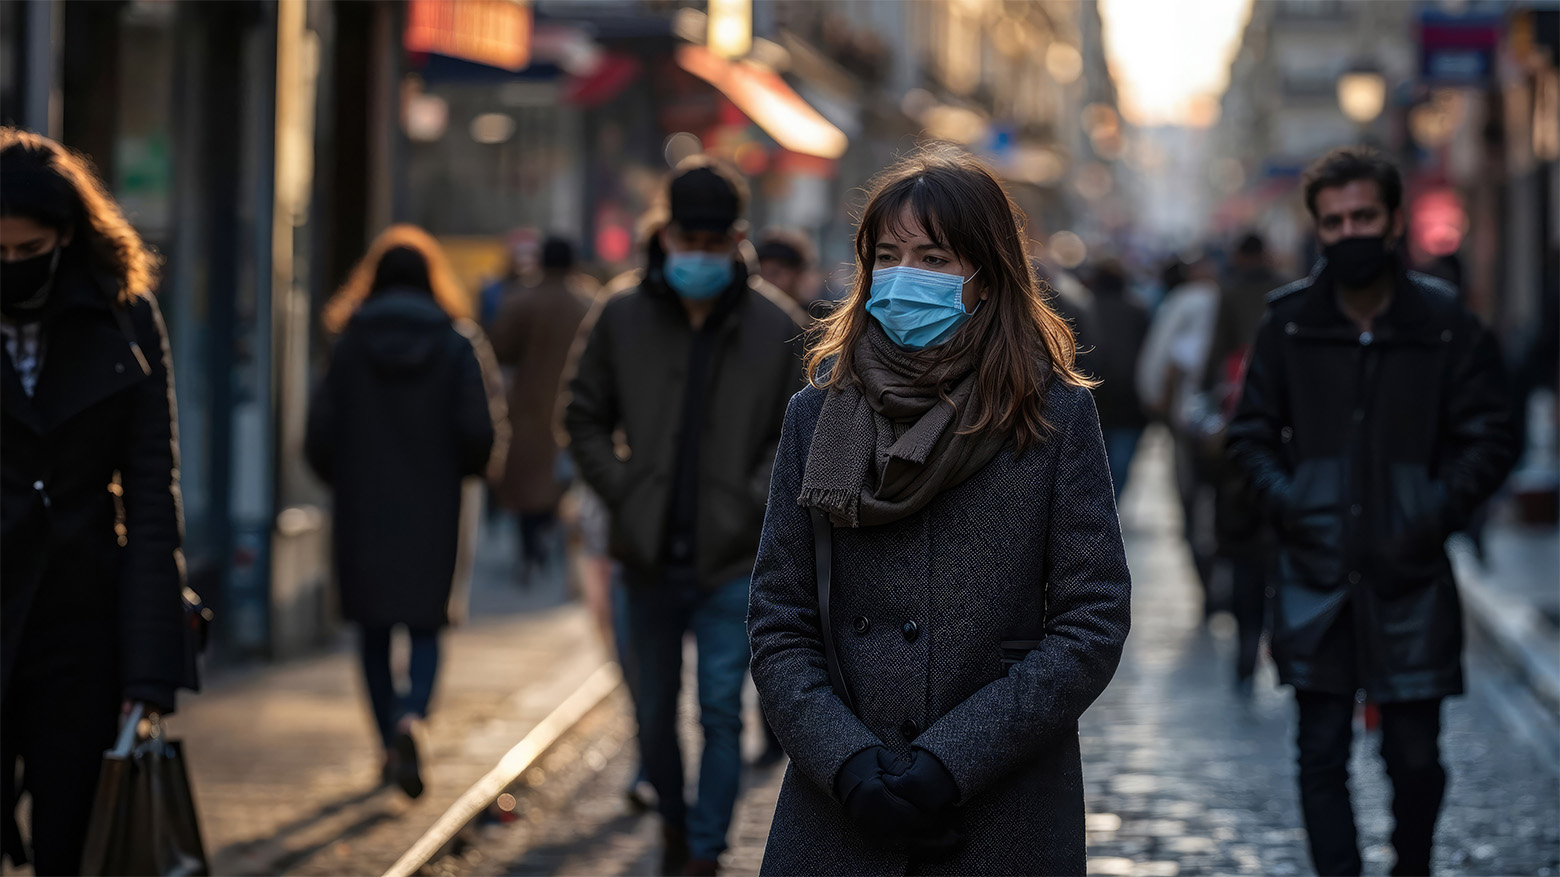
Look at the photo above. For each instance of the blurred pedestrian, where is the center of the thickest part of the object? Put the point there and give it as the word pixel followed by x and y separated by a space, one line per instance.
pixel 410 406
pixel 531 336
pixel 1373 421
pixel 91 566
pixel 944 475
pixel 693 367
pixel 1243 542
pixel 1169 378
pixel 786 260
pixel 1119 327
pixel 521 266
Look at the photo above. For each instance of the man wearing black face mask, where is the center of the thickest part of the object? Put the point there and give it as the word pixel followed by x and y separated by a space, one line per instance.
pixel 1371 425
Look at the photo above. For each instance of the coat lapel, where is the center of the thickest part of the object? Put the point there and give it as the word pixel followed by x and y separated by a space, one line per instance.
pixel 87 360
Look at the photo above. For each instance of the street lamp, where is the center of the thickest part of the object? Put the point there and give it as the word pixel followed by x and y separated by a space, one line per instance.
pixel 1362 94
pixel 730 28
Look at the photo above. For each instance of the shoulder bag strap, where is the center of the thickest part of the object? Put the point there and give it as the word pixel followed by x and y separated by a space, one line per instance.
pixel 823 558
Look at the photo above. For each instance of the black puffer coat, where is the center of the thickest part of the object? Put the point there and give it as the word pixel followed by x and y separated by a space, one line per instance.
pixel 411 405
pixel 1368 450
pixel 979 628
pixel 101 405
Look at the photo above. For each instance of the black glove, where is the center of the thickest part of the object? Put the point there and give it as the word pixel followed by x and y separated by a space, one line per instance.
pixel 924 782
pixel 868 802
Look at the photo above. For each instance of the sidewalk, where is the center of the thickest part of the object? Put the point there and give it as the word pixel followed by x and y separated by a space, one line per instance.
pixel 285 763
pixel 1512 604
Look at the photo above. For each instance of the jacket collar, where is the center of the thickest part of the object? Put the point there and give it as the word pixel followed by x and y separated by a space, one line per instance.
pixel 86 358
pixel 1405 312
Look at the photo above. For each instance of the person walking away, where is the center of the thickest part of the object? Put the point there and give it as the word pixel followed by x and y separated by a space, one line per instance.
pixel 531 337
pixel 1169 376
pixel 1120 324
pixel 90 566
pixel 1373 421
pixel 693 367
pixel 949 453
pixel 410 406
pixel 1243 543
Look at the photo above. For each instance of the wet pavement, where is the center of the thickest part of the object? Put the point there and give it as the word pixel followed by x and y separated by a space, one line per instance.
pixel 1183 776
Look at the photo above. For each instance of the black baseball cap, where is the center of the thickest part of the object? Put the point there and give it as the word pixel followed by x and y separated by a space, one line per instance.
pixel 704 200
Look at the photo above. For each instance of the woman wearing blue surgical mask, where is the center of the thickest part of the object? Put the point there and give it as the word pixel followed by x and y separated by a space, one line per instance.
pixel 940 589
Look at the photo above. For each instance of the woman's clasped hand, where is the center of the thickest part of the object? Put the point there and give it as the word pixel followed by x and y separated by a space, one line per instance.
pixel 906 800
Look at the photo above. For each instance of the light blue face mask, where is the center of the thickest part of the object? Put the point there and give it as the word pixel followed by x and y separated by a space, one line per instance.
pixel 699 276
pixel 916 307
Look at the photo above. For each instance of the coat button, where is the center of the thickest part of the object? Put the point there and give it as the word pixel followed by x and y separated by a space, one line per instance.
pixel 1286 434
pixel 909 729
pixel 1356 510
pixel 37 485
pixel 862 625
pixel 1366 338
pixel 1290 328
pixel 1354 577
pixel 119 368
pixel 911 631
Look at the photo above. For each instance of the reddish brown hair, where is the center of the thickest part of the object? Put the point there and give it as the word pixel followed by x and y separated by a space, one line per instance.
pixel 69 195
pixel 446 289
pixel 1019 343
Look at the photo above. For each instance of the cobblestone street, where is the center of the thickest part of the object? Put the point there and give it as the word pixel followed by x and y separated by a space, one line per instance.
pixel 1182 776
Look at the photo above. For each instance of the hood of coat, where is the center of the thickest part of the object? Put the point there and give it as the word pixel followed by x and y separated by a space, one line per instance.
pixel 401 330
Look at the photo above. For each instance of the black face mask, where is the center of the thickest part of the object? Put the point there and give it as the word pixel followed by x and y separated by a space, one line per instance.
pixel 1355 262
pixel 25 284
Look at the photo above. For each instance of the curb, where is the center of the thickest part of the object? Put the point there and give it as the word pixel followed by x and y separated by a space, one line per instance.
pixel 1516 630
pixel 520 757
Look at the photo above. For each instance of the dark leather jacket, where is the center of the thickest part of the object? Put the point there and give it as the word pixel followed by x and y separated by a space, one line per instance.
pixel 1367 450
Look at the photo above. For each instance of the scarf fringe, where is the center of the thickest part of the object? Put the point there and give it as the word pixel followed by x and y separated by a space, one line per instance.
pixel 841 504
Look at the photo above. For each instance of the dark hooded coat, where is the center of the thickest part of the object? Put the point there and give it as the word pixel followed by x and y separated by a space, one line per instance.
pixel 409 407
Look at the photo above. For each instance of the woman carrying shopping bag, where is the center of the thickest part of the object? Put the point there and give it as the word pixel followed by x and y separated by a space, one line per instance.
pixel 411 405
pixel 90 564
pixel 940 589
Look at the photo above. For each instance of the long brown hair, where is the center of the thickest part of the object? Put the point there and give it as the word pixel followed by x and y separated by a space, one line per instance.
pixel 446 289
pixel 1018 342
pixel 48 183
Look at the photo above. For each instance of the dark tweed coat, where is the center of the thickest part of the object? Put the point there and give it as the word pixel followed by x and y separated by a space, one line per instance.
pixel 930 615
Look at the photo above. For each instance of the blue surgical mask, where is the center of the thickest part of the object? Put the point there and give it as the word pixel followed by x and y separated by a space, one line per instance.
pixel 698 276
pixel 916 307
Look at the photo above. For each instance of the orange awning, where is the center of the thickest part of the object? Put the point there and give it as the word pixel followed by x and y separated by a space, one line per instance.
pixel 767 100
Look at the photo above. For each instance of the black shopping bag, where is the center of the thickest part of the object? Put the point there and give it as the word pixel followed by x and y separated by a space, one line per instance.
pixel 143 818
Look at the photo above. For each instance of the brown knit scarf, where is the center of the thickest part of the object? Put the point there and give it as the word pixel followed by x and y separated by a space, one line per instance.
pixel 884 449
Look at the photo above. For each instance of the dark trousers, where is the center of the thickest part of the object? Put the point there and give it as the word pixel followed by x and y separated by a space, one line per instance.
pixel 658 614
pixel 421 671
pixel 61 712
pixel 1410 747
pixel 535 528
pixel 1248 583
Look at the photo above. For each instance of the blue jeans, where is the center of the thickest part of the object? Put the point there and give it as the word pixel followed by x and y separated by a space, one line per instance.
pixel 422 669
pixel 1120 447
pixel 657 614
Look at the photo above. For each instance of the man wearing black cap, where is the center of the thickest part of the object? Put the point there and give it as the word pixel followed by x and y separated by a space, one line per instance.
pixel 691 371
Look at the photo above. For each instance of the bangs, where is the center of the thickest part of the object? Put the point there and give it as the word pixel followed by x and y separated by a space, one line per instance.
pixel 927 208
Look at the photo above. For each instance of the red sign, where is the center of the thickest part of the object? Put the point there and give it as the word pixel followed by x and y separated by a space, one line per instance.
pixel 492 32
